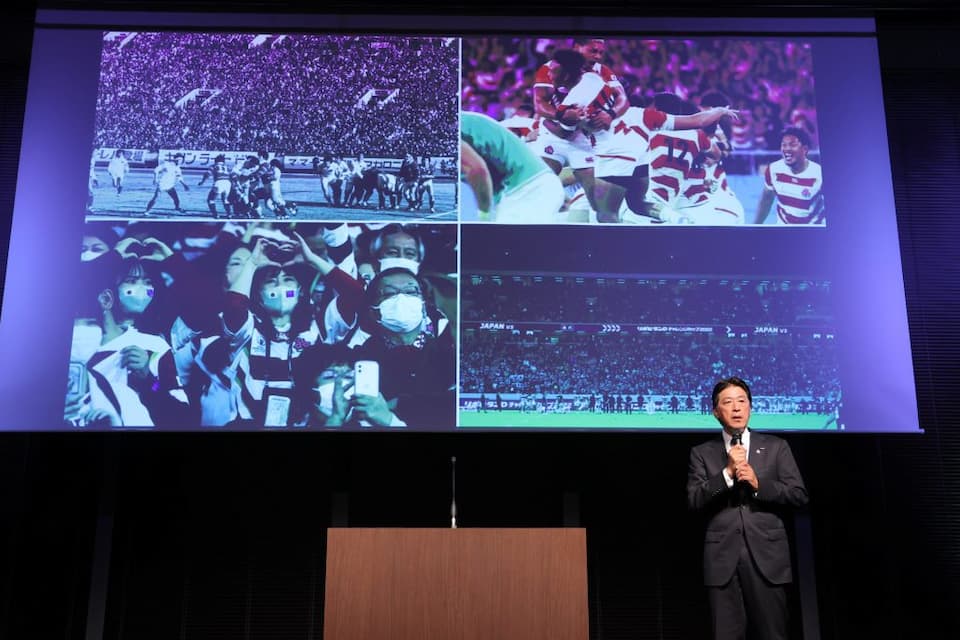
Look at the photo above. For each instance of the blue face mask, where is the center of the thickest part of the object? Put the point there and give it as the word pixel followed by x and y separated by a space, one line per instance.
pixel 280 299
pixel 135 297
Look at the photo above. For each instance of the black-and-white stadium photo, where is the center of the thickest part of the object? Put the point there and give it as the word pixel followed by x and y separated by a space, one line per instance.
pixel 275 126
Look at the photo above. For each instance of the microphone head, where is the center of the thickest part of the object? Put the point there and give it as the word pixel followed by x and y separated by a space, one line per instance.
pixel 453 459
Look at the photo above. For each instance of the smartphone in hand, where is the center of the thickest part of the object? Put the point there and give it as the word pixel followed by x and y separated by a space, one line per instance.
pixel 366 374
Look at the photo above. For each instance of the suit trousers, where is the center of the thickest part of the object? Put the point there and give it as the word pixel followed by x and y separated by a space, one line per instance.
pixel 748 600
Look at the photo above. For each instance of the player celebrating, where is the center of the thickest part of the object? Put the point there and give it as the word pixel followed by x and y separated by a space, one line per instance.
pixel 676 160
pixel 578 97
pixel 722 206
pixel 644 132
pixel 795 182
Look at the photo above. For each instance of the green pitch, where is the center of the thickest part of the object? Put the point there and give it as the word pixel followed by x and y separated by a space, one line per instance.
pixel 665 421
pixel 304 189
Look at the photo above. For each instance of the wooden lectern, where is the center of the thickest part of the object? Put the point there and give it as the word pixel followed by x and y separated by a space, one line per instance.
pixel 456 584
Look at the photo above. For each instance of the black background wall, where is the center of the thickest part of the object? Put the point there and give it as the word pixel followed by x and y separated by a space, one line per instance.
pixel 222 535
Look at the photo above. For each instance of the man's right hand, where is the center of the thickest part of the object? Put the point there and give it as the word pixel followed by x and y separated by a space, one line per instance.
pixel 735 456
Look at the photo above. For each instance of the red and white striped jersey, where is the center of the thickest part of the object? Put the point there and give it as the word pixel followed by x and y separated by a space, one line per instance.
pixel 545 77
pixel 672 158
pixel 799 195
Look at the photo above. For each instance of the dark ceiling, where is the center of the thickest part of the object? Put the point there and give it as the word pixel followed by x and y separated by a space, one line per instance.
pixel 885 8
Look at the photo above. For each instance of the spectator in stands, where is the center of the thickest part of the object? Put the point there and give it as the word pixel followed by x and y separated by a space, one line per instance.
pixel 324 387
pixel 417 360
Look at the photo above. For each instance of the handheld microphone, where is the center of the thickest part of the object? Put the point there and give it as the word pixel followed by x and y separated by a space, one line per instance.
pixel 736 438
pixel 453 493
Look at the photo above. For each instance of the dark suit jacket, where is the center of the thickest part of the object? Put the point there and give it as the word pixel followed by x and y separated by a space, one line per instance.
pixel 730 511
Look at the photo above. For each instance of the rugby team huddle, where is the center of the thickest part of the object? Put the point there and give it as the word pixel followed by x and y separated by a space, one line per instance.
pixel 351 182
pixel 625 160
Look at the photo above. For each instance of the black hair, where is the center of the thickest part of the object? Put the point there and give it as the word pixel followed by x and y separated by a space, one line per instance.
pixel 732 381
pixel 718 99
pixel 315 359
pixel 571 65
pixel 798 133
pixel 673 104
pixel 376 243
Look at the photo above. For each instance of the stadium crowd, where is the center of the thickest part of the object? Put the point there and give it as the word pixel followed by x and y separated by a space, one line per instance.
pixel 643 363
pixel 627 361
pixel 639 299
pixel 293 94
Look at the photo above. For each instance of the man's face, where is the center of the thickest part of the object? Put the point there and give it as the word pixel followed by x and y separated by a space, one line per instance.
pixel 398 283
pixel 794 152
pixel 400 245
pixel 593 51
pixel 733 409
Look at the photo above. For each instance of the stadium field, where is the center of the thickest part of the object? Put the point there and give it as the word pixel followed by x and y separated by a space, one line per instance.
pixel 303 189
pixel 667 421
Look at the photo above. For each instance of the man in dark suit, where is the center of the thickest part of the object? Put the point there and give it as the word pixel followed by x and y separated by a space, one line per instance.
pixel 743 482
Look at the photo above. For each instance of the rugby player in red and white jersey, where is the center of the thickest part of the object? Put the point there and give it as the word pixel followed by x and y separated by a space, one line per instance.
pixel 707 198
pixel 575 125
pixel 795 182
pixel 627 159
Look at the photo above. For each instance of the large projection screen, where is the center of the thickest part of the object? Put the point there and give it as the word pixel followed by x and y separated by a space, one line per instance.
pixel 263 202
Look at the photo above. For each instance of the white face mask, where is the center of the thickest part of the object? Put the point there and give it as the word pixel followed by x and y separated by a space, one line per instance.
pixel 87 256
pixel 86 341
pixel 404 263
pixel 135 297
pixel 401 313
pixel 280 299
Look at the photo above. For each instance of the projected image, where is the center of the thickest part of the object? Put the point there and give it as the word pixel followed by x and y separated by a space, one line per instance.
pixel 249 126
pixel 588 350
pixel 252 325
pixel 708 132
